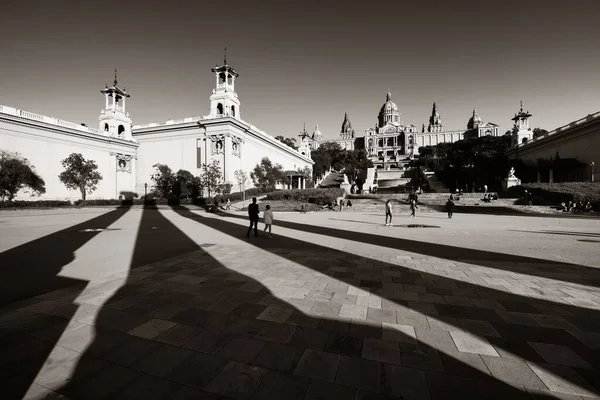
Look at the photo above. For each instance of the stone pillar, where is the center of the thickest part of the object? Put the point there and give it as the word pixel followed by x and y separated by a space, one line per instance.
pixel 539 177
pixel 551 176
pixel 123 104
pixel 106 95
pixel 303 182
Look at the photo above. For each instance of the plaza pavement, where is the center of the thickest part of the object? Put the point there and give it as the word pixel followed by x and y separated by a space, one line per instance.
pixel 179 304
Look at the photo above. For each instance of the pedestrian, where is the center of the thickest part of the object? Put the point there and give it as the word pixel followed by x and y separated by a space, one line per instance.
pixel 253 215
pixel 413 207
pixel 341 204
pixel 268 215
pixel 228 205
pixel 449 206
pixel 388 213
pixel 484 188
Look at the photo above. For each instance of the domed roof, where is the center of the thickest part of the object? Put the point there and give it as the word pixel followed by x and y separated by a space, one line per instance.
pixel 474 120
pixel 317 132
pixel 389 105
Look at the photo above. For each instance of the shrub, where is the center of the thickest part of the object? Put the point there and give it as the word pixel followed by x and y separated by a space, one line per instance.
pixel 315 196
pixel 556 193
pixel 35 204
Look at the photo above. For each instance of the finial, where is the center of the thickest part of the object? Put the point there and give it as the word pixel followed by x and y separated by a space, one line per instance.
pixel 521 105
pixel 225 57
pixel 115 82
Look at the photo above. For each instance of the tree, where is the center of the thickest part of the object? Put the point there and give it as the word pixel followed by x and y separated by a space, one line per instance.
pixel 186 185
pixel 266 175
pixel 16 173
pixel 164 180
pixel 211 177
pixel 80 174
pixel 288 141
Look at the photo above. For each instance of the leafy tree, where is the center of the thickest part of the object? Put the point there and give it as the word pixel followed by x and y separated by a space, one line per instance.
pixel 325 156
pixel 211 177
pixel 186 185
pixel 80 174
pixel 241 177
pixel 288 141
pixel 266 175
pixel 164 180
pixel 16 173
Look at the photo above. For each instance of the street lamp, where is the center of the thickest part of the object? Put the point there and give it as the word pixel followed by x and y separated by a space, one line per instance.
pixel 145 191
pixel 592 165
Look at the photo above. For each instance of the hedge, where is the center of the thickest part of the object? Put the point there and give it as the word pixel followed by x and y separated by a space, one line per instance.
pixel 315 196
pixel 556 193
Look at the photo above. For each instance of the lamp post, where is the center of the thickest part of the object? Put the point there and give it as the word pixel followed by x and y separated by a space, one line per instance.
pixel 592 166
pixel 145 192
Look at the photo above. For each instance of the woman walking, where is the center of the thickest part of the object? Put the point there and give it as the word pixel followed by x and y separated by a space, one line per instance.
pixel 388 213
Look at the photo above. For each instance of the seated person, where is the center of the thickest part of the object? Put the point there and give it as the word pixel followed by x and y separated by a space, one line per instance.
pixel 348 203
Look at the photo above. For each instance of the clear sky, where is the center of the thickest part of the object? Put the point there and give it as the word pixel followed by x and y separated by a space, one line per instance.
pixel 306 61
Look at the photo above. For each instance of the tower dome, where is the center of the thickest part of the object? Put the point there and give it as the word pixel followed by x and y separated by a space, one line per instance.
pixel 317 135
pixel 389 113
pixel 474 121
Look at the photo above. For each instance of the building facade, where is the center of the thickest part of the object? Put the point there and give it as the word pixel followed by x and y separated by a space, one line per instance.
pixel 566 154
pixel 126 154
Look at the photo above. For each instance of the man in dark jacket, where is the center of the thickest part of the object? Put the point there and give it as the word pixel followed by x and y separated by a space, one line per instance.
pixel 253 215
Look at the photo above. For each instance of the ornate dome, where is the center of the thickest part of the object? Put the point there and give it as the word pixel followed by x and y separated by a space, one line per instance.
pixel 317 135
pixel 389 113
pixel 474 121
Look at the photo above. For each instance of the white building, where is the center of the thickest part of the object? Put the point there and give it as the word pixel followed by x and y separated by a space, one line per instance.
pixel 125 154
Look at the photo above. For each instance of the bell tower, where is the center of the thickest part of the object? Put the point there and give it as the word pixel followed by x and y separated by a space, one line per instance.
pixel 521 132
pixel 224 100
pixel 114 119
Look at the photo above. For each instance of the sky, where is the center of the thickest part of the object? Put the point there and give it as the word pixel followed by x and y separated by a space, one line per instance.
pixel 306 61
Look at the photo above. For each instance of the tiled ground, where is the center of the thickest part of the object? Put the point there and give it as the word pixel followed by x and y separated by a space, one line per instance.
pixel 294 318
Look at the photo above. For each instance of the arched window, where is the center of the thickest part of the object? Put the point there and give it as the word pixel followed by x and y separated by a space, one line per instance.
pixel 105 127
pixel 233 110
pixel 229 79
pixel 221 78
pixel 524 140
pixel 220 109
pixel 121 131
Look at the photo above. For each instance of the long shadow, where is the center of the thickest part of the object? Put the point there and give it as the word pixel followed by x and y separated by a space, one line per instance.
pixel 565 233
pixel 568 272
pixel 32 270
pixel 219 345
pixel 511 316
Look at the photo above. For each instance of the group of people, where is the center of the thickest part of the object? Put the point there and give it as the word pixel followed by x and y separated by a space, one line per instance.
pixel 389 211
pixel 577 206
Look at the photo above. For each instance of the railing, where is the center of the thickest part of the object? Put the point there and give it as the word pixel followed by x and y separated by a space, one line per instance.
pixel 42 118
pixel 169 122
pixel 587 118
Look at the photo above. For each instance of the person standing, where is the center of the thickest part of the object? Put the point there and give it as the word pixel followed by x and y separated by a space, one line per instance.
pixel 268 215
pixel 413 207
pixel 341 205
pixel 388 213
pixel 253 215
pixel 449 206
pixel 228 205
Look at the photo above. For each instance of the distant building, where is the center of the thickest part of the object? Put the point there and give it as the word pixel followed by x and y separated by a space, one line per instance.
pixel 125 154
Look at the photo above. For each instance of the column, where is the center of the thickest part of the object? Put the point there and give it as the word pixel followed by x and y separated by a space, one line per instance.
pixel 551 176
pixel 106 95
pixel 539 177
pixel 303 182
pixel 123 104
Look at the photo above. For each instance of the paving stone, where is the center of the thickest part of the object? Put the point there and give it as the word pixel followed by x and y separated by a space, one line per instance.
pixel 398 333
pixel 468 343
pixel 147 388
pixel 360 374
pixel 381 315
pixel 348 345
pixel 365 395
pixel 328 391
pixel 513 372
pixel 381 350
pixel 404 383
pixel 279 357
pixel 353 311
pixel 197 370
pixel 237 381
pixel 465 364
pixel 273 332
pixel 518 318
pixel 421 357
pixel 309 338
pixel 318 365
pixel 276 385
pixel 559 355
pixel 178 335
pixel 480 328
pixel 102 384
pixel 591 340
pixel 188 393
pixel 326 308
pixel 439 340
pixel 208 341
pixel 241 349
pixel 129 351
pixel 562 379
pixel 365 328
pixel 161 360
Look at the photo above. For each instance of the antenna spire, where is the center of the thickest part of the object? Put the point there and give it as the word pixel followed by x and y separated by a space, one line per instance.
pixel 225 57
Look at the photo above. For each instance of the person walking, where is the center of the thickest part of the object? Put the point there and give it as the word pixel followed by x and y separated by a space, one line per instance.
pixel 413 207
pixel 341 205
pixel 228 205
pixel 388 213
pixel 253 215
pixel 449 206
pixel 268 215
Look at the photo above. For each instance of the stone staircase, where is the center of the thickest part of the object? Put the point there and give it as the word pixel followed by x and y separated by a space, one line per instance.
pixel 333 179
